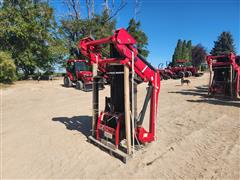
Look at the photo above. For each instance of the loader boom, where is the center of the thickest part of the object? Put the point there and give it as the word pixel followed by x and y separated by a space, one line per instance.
pixel 124 44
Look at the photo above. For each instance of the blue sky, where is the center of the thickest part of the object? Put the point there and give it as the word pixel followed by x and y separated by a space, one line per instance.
pixel 166 21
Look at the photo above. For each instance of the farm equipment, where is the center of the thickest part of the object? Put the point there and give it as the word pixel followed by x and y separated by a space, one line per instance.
pixel 183 70
pixel 178 71
pixel 224 75
pixel 78 73
pixel 118 128
pixel 164 73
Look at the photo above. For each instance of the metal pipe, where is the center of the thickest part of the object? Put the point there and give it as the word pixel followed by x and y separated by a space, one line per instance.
pixel 95 98
pixel 144 108
pixel 237 83
pixel 146 62
pixel 231 79
pixel 100 41
pixel 95 103
pixel 210 79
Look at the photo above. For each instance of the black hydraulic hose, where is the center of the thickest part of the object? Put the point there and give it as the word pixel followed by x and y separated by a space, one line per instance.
pixel 144 108
pixel 146 62
pixel 95 101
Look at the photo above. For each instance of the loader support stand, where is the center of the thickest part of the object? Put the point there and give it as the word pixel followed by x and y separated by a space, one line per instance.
pixel 119 128
pixel 225 79
pixel 127 108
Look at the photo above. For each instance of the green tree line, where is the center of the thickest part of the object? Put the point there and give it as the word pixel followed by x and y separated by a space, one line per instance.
pixel 32 40
pixel 182 51
pixel 196 54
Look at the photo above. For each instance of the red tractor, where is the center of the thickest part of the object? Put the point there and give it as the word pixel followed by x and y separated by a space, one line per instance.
pixel 181 71
pixel 224 75
pixel 178 71
pixel 78 72
pixel 166 73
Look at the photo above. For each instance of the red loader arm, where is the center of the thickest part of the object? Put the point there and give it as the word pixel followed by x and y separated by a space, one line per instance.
pixel 124 44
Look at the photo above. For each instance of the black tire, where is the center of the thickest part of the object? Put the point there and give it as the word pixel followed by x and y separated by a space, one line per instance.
pixel 165 77
pixel 79 85
pixel 188 74
pixel 181 74
pixel 67 82
pixel 161 77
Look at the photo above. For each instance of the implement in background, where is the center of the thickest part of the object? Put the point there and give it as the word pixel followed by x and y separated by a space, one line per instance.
pixel 224 75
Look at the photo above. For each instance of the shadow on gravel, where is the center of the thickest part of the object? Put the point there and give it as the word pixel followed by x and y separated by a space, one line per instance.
pixel 202 91
pixel 197 91
pixel 82 124
pixel 62 85
pixel 214 101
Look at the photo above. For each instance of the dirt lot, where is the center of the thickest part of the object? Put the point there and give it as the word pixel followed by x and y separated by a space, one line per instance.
pixel 45 128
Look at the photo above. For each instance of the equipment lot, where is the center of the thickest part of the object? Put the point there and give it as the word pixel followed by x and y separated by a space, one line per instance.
pixel 45 128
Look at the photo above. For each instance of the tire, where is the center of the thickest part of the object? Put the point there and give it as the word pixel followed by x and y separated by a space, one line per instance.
pixel 79 85
pixel 188 74
pixel 161 77
pixel 181 74
pixel 67 82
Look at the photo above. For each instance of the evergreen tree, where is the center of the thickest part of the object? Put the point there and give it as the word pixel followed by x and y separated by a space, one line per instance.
pixel 189 50
pixel 224 44
pixel 177 52
pixel 139 36
pixel 184 51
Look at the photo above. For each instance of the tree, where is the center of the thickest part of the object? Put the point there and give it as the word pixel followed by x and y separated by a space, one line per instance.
pixel 74 29
pixel 189 50
pixel 7 68
pixel 224 44
pixel 184 51
pixel 198 55
pixel 141 38
pixel 28 32
pixel 177 52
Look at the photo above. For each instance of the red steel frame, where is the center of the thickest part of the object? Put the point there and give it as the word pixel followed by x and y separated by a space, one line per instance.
pixel 212 62
pixel 102 127
pixel 124 43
